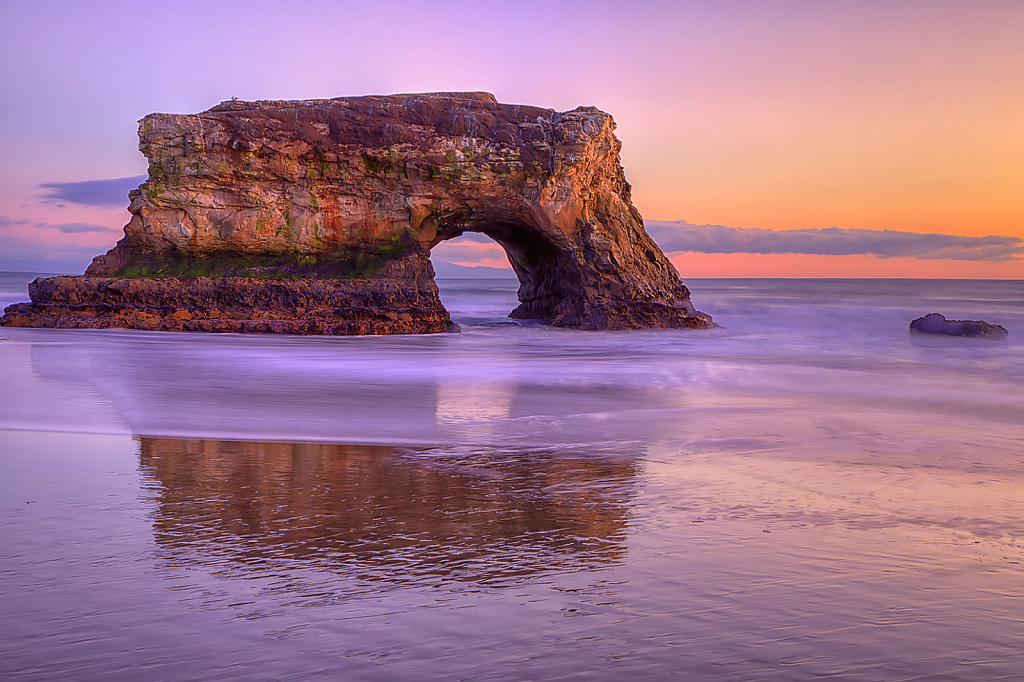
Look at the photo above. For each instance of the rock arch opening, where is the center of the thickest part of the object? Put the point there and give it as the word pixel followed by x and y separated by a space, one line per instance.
pixel 545 280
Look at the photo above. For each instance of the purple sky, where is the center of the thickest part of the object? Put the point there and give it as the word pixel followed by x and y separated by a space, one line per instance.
pixel 799 115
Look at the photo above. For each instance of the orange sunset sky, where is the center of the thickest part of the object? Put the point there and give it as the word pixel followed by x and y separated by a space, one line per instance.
pixel 740 119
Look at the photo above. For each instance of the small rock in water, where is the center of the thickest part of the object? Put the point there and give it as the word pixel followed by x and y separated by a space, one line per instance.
pixel 934 323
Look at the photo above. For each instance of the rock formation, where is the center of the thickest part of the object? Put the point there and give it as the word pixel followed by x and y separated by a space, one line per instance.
pixel 934 323
pixel 317 217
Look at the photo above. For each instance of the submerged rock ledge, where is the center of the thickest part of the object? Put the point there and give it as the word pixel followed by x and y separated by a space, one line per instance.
pixel 318 216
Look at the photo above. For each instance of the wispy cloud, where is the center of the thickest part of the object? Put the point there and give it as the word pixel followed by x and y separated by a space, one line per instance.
pixel 11 222
pixel 832 241
pixel 112 192
pixel 74 228
pixel 66 228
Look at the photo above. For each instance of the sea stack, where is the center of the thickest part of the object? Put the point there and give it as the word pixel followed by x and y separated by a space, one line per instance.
pixel 935 323
pixel 318 216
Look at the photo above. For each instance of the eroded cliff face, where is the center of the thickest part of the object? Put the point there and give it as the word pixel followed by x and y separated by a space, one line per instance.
pixel 341 189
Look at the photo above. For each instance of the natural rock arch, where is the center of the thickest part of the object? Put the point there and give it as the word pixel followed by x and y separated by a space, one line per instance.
pixel 317 217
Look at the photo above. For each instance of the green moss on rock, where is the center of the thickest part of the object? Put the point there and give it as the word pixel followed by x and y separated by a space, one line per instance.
pixel 342 264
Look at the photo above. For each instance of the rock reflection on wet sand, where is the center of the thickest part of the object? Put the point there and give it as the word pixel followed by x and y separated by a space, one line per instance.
pixel 394 515
pixel 165 559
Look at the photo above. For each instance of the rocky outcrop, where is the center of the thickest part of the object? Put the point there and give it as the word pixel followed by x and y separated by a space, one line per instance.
pixel 385 305
pixel 350 194
pixel 934 323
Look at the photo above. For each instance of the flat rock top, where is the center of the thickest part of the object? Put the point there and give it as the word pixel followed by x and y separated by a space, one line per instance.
pixel 380 120
pixel 362 100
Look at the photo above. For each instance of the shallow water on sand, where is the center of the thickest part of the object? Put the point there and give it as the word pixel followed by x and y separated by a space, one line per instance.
pixel 807 492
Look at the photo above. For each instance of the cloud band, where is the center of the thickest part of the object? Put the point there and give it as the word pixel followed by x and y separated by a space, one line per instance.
pixel 832 241
pixel 112 192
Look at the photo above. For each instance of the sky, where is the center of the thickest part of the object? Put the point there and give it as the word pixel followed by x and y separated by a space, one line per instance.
pixel 802 138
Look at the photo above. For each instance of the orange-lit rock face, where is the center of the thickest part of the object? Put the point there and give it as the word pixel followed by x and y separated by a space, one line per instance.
pixel 340 188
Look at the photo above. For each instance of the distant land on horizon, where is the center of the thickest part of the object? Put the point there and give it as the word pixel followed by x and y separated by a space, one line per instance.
pixel 442 269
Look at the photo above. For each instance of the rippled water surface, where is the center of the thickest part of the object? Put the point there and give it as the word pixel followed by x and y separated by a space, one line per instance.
pixel 807 492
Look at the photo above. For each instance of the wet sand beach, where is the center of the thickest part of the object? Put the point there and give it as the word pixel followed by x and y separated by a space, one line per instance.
pixel 807 492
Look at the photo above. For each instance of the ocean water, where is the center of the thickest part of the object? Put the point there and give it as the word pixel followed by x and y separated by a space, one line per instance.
pixel 806 492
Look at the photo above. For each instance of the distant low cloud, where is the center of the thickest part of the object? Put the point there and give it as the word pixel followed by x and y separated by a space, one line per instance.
pixel 66 228
pixel 93 192
pixel 18 253
pixel 74 228
pixel 11 222
pixel 832 241
pixel 471 248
